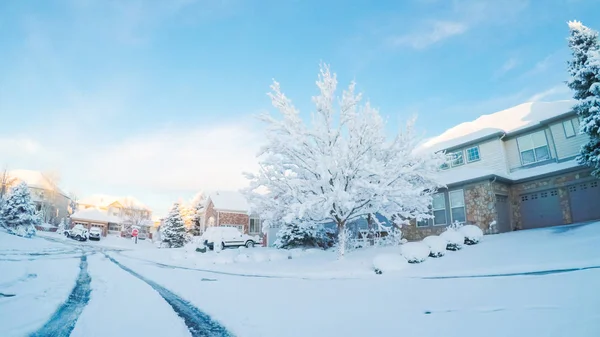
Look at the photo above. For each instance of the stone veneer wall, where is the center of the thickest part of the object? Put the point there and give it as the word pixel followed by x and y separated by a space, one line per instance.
pixel 560 182
pixel 480 202
pixel 413 233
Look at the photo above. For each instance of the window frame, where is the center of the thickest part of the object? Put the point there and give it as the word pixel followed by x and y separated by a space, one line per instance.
pixel 253 221
pixel 529 137
pixel 570 122
pixel 445 209
pixel 478 154
pixel 464 206
pixel 452 158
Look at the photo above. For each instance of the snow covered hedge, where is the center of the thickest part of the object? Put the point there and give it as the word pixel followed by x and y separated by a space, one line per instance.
pixel 454 239
pixel 415 252
pixel 471 233
pixel 437 245
pixel 384 263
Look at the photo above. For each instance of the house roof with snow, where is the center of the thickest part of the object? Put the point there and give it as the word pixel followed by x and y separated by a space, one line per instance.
pixel 35 179
pixel 103 200
pixel 92 214
pixel 510 121
pixel 229 201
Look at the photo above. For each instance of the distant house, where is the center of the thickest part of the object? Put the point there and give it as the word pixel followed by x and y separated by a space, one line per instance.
pixel 130 210
pixel 515 169
pixel 92 217
pixel 50 200
pixel 229 208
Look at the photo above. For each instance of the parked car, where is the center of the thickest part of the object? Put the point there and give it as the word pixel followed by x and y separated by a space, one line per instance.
pixel 95 233
pixel 228 236
pixel 78 232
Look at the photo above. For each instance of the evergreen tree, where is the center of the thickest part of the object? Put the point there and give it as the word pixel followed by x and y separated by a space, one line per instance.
pixel 61 226
pixel 303 234
pixel 172 231
pixel 18 214
pixel 584 69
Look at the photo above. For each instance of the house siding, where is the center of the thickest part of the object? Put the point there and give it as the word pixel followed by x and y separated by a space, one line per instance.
pixel 491 157
pixel 513 156
pixel 567 147
pixel 230 218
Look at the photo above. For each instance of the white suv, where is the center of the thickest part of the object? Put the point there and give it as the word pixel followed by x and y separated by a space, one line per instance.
pixel 228 236
pixel 95 233
pixel 78 232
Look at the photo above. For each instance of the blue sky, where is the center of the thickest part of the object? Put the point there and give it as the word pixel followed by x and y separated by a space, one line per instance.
pixel 156 98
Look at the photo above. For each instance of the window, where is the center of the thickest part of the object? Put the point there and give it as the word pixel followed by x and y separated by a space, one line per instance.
pixel 569 128
pixel 533 147
pixel 457 158
pixel 444 166
pixel 255 225
pixel 439 209
pixel 457 206
pixel 473 154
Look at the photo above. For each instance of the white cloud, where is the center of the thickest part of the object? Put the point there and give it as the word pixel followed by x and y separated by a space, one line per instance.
pixel 557 92
pixel 436 31
pixel 510 64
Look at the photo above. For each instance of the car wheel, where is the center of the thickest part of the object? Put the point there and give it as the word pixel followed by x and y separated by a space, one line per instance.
pixel 249 244
pixel 78 237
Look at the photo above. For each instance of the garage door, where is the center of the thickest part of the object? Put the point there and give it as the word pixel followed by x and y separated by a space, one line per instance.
pixel 541 209
pixel 585 201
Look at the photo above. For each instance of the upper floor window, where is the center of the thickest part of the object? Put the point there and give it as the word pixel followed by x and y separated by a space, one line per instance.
pixel 457 158
pixel 569 128
pixel 473 154
pixel 533 148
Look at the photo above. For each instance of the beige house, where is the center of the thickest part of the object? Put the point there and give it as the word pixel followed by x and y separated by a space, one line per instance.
pixel 129 210
pixel 511 170
pixel 92 217
pixel 52 203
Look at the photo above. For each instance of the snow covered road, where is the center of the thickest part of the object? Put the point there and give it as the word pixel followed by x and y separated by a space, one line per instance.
pixel 534 283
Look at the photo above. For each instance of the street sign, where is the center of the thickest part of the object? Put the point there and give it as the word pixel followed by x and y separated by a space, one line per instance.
pixel 134 232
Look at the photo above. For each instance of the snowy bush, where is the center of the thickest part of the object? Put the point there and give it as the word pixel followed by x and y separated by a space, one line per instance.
pixel 18 213
pixel 384 263
pixel 300 234
pixel 454 239
pixel 277 256
pixel 472 234
pixel 241 258
pixel 436 244
pixel 415 252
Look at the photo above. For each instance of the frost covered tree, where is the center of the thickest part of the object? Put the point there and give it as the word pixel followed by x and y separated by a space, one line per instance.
pixel 584 69
pixel 18 213
pixel 341 167
pixel 303 234
pixel 172 231
pixel 61 226
pixel 187 214
pixel 197 203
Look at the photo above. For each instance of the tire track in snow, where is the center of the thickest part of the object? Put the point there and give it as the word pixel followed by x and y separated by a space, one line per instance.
pixel 199 324
pixel 65 317
pixel 528 273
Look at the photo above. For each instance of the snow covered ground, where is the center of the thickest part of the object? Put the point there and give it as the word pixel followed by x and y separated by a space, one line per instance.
pixel 528 283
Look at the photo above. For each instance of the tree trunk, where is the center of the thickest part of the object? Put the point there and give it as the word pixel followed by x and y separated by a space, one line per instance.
pixel 371 232
pixel 341 239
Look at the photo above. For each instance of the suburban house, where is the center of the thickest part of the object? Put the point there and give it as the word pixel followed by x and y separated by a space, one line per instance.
pixel 514 169
pixel 92 217
pixel 51 202
pixel 229 208
pixel 128 210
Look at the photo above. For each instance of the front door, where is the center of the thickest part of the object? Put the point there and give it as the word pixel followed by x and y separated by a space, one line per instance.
pixel 503 209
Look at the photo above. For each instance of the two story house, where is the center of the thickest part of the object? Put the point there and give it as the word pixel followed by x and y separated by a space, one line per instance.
pixel 124 212
pixel 514 169
pixel 230 208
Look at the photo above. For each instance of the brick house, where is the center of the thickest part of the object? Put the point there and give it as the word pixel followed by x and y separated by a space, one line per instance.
pixel 230 208
pixel 515 169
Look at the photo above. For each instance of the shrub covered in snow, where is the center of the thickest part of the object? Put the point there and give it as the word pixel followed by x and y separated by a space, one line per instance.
pixel 384 263
pixel 454 239
pixel 18 213
pixel 415 252
pixel 437 245
pixel 472 234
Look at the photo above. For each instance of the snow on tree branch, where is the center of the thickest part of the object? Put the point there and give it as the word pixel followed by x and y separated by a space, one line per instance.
pixel 341 167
